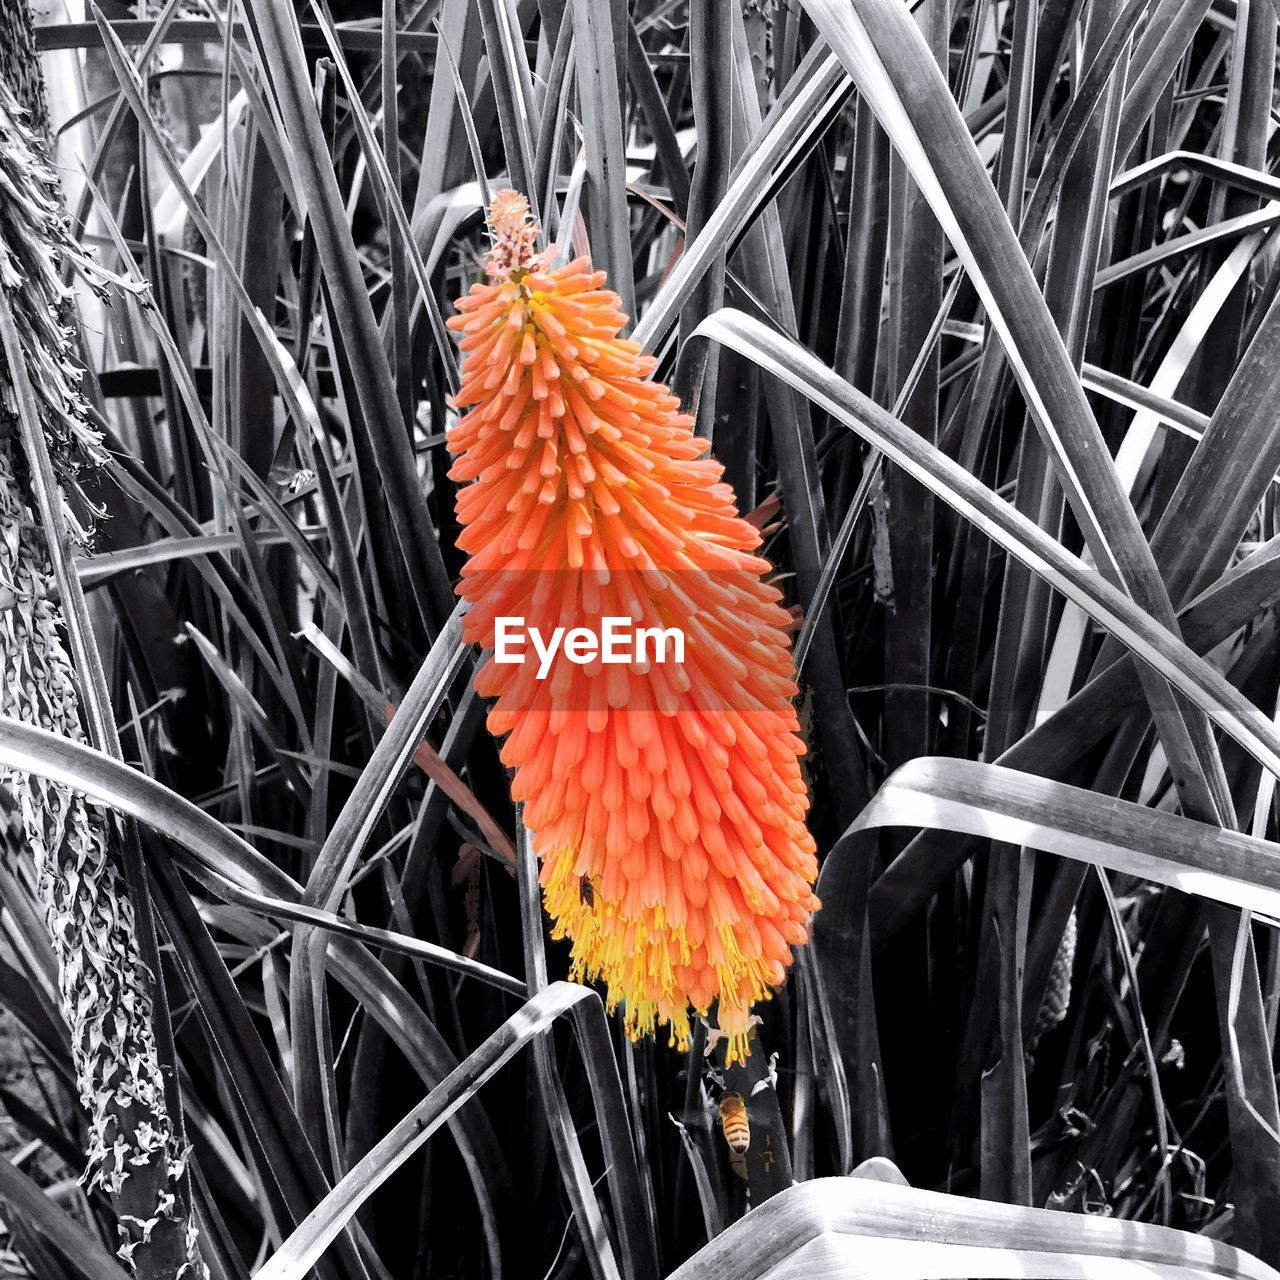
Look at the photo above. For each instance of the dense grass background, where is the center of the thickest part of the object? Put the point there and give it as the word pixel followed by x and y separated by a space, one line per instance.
pixel 1030 249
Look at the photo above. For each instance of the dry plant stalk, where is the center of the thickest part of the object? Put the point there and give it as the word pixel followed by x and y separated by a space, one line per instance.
pixel 133 1153
pixel 20 65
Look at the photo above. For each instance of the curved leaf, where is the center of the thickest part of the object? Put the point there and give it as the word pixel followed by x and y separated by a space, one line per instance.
pixel 229 865
pixel 295 1258
pixel 1017 808
pixel 1007 527
pixel 859 1227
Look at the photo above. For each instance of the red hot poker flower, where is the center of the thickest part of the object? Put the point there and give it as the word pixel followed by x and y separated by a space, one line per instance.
pixel 665 799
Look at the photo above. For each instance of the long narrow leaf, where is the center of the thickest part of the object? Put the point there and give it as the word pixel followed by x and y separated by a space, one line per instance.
pixel 1152 643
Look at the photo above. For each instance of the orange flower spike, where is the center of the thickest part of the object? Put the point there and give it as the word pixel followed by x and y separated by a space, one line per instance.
pixel 665 798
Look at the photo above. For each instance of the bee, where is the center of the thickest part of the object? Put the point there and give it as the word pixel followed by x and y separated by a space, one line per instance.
pixel 293 482
pixel 734 1122
pixel 586 891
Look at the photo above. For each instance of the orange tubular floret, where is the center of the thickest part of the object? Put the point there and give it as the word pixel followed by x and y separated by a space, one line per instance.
pixel 666 802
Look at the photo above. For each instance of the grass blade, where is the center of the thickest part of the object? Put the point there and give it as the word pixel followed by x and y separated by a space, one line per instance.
pixel 600 102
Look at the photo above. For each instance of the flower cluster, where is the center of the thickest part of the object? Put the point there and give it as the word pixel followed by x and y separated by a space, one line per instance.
pixel 666 804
